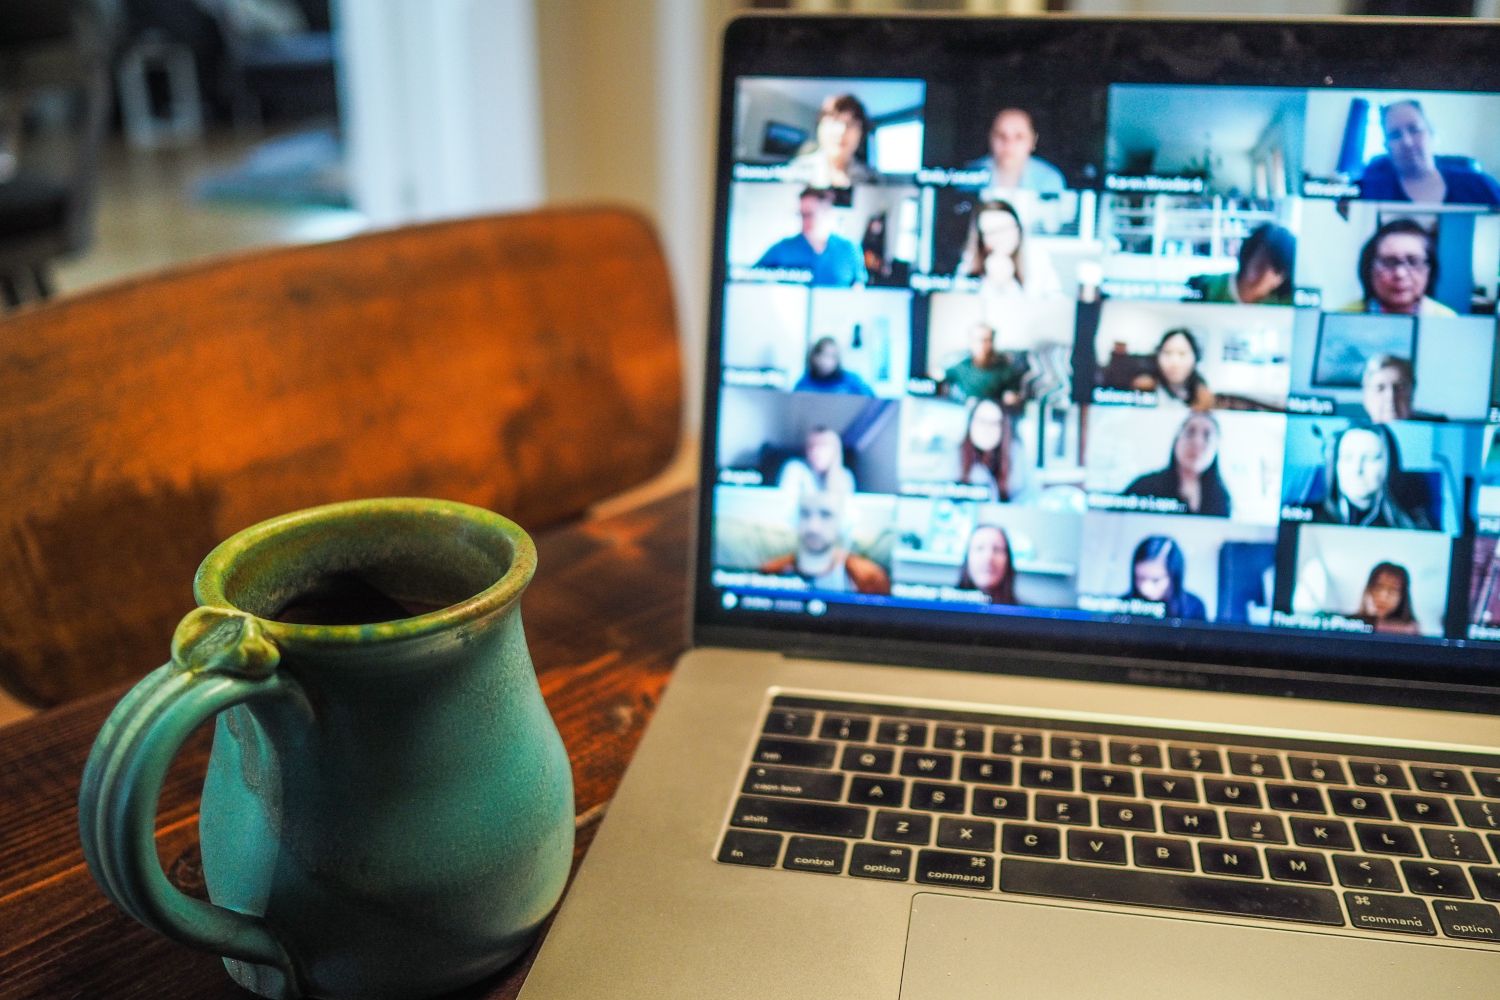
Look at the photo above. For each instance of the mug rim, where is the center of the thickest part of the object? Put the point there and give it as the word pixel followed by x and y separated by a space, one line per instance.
pixel 213 573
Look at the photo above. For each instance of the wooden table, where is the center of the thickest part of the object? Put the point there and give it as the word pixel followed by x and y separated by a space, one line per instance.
pixel 606 618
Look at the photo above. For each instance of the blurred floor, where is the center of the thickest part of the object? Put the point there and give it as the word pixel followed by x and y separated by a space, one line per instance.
pixel 149 216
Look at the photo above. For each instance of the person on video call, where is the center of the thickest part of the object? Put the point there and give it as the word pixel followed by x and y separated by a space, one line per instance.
pixel 988 566
pixel 987 455
pixel 1174 375
pixel 822 557
pixel 1411 172
pixel 1363 475
pixel 836 158
pixel 997 254
pixel 826 372
pixel 1386 602
pixel 1386 389
pixel 1156 571
pixel 1012 161
pixel 832 259
pixel 1267 261
pixel 1192 474
pixel 1398 267
pixel 986 373
pixel 821 466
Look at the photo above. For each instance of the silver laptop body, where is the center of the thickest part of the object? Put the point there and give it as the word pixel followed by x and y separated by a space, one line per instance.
pixel 1140 646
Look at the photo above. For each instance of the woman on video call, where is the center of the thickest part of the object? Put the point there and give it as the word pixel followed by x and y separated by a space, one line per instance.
pixel 1398 268
pixel 1174 375
pixel 1364 476
pixel 987 455
pixel 1156 571
pixel 997 254
pixel 1192 473
pixel 1410 170
pixel 1386 602
pixel 826 372
pixel 837 156
pixel 1267 261
pixel 988 566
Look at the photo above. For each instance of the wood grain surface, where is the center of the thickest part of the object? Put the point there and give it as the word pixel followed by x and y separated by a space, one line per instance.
pixel 605 619
pixel 525 363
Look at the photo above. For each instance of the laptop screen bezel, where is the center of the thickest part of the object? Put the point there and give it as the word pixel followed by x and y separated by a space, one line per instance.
pixel 1350 53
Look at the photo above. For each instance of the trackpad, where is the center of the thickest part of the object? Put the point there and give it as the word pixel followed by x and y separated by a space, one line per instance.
pixel 967 948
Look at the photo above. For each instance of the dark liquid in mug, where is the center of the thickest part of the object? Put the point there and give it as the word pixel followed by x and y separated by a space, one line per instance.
pixel 350 599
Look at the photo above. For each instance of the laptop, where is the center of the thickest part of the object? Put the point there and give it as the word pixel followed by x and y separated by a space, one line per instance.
pixel 1095 591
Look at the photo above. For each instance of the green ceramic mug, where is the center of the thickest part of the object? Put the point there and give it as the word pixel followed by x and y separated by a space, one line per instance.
pixel 389 808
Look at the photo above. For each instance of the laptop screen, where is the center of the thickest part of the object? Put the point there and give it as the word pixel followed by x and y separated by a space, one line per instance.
pixel 1179 338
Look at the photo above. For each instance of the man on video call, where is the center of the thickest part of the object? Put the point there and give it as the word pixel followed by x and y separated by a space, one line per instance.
pixel 832 259
pixel 985 373
pixel 821 557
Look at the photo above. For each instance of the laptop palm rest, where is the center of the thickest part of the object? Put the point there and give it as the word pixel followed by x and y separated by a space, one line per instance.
pixel 967 948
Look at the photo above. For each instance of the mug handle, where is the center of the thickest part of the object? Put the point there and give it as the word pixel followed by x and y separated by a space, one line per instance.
pixel 220 658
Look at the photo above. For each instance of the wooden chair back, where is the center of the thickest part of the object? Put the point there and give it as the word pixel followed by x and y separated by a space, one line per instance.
pixel 525 363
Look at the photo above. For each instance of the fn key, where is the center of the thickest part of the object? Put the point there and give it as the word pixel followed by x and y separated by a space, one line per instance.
pixel 746 847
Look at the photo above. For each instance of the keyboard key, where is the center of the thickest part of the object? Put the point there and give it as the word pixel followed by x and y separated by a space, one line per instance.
pixel 1198 759
pixel 902 828
pixel 825 785
pixel 1320 769
pixel 810 854
pixel 958 738
pixel 1161 852
pixel 1228 859
pixel 966 834
pixel 1423 809
pixel 1455 845
pixel 937 798
pixel 745 847
pixel 1480 815
pixel 915 764
pixel 1016 743
pixel 987 770
pixel 793 816
pixel 1077 748
pixel 794 753
pixel 854 728
pixel 1366 873
pixel 967 871
pixel 1230 897
pixel 1488 783
pixel 1428 878
pixel 1127 815
pixel 1378 774
pixel 888 792
pixel 1261 828
pixel 1009 805
pixel 1360 805
pixel 1487 881
pixel 1441 779
pixel 1091 845
pixel 1035 841
pixel 1295 798
pixel 1383 838
pixel 1379 912
pixel 1223 792
pixel 1070 809
pixel 1297 866
pixel 785 722
pixel 899 732
pixel 1472 921
pixel 876 861
pixel 871 760
pixel 1175 787
pixel 1193 822
pixel 1325 833
pixel 1135 754
pixel 1105 782
pixel 1255 765
pixel 1055 777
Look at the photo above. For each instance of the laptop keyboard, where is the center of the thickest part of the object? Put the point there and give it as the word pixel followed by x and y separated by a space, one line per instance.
pixel 1381 839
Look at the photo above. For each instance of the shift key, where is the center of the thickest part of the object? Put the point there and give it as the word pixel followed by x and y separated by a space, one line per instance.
pixel 793 816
